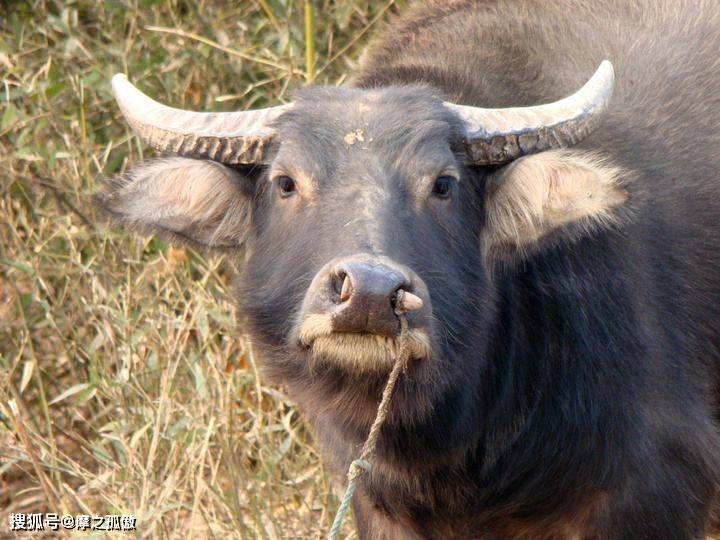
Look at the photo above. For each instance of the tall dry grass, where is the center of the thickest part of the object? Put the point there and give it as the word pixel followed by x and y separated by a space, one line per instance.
pixel 124 385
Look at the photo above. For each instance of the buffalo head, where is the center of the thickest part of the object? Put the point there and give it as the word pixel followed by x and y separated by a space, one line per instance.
pixel 348 202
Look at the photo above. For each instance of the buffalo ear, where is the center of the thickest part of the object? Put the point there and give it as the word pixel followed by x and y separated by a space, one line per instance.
pixel 538 195
pixel 194 201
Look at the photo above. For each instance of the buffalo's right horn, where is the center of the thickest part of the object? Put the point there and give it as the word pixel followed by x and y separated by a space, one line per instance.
pixel 228 137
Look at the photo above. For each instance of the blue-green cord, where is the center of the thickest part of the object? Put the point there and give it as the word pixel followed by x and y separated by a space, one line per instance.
pixel 355 470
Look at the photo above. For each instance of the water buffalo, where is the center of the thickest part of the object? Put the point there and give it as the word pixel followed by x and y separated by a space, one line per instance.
pixel 566 252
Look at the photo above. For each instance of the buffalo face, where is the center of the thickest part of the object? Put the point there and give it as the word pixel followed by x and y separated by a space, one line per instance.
pixel 353 210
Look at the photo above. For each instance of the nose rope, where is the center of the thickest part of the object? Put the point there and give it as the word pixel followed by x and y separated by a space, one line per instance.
pixel 362 464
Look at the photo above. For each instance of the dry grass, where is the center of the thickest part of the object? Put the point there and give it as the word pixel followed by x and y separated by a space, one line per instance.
pixel 123 385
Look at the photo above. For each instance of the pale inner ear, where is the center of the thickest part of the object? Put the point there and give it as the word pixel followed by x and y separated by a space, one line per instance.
pixel 538 194
pixel 197 200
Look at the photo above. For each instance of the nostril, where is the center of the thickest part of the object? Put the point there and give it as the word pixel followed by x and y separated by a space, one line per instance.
pixel 395 296
pixel 346 290
pixel 342 286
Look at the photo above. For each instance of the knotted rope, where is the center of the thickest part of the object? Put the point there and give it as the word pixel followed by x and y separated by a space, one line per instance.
pixel 362 464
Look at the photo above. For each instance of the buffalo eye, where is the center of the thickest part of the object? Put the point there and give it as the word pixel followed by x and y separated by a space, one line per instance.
pixel 286 185
pixel 442 186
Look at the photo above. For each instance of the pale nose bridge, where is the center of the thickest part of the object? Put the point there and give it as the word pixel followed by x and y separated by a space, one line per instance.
pixel 368 208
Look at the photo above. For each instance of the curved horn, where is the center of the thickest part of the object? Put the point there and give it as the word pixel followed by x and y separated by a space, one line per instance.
pixel 234 138
pixel 496 136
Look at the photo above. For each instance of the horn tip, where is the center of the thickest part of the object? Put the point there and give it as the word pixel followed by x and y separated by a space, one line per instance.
pixel 118 81
pixel 607 70
pixel 118 78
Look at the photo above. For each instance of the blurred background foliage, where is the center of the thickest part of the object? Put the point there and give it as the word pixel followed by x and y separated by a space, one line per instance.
pixel 125 386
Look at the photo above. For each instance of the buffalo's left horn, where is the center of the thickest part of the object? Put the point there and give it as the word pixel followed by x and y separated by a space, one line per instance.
pixel 496 136
pixel 234 138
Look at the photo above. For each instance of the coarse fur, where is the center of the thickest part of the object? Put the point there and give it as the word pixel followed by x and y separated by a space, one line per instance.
pixel 571 389
pixel 194 201
pixel 534 197
pixel 357 351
